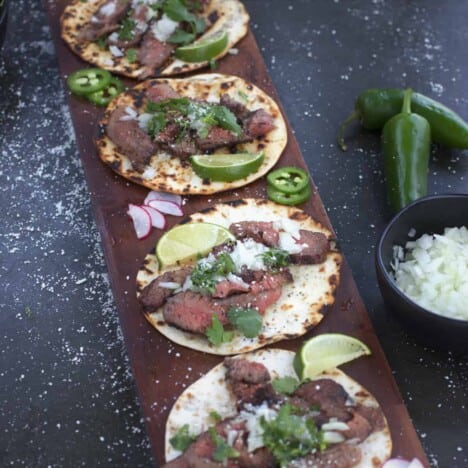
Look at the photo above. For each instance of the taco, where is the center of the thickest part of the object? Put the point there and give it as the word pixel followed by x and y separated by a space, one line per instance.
pixel 235 415
pixel 274 281
pixel 149 133
pixel 137 38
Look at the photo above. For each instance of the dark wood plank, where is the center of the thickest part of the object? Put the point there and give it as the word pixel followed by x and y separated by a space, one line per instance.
pixel 162 369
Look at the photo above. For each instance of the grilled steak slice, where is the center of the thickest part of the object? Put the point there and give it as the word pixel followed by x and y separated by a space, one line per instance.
pixel 236 107
pixel 227 288
pixel 105 20
pixel 359 427
pixel 160 92
pixel 259 231
pixel 330 396
pixel 258 123
pixel 182 147
pixel 250 382
pixel 373 415
pixel 271 281
pixel 153 54
pixel 168 135
pixel 138 16
pixel 218 137
pixel 193 312
pixel 130 138
pixel 153 296
pixel 338 456
pixel 315 250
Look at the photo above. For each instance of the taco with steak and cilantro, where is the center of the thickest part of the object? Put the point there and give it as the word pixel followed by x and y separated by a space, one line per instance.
pixel 250 411
pixel 149 133
pixel 140 38
pixel 274 280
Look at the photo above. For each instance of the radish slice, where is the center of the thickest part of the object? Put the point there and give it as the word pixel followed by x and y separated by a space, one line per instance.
pixel 401 463
pixel 163 196
pixel 166 207
pixel 157 219
pixel 141 220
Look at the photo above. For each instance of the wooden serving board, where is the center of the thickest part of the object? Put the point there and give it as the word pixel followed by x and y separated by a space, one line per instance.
pixel 162 369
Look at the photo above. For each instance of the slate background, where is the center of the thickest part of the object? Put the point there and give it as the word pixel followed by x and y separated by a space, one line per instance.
pixel 67 397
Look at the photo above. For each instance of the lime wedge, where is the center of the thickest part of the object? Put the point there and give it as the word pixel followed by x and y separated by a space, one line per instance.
pixel 203 50
pixel 326 351
pixel 226 167
pixel 187 241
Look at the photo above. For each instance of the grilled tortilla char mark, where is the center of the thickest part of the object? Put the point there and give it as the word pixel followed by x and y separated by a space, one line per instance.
pixel 130 138
pixel 106 20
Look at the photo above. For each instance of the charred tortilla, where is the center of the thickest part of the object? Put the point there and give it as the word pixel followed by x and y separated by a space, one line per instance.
pixel 220 15
pixel 213 393
pixel 302 303
pixel 169 173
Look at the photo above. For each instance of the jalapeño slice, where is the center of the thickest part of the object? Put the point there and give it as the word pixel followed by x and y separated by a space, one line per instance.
pixel 288 179
pixel 88 80
pixel 104 96
pixel 288 198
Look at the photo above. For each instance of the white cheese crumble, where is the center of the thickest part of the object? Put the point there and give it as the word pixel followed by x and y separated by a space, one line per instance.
pixel 247 254
pixel 130 114
pixel 115 51
pixel 143 120
pixel 163 29
pixel 107 9
pixel 434 272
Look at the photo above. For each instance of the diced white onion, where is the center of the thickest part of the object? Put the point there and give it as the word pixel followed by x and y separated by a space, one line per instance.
pixel 333 437
pixel 107 9
pixel 169 285
pixel 115 51
pixel 335 426
pixel 434 272
pixel 163 29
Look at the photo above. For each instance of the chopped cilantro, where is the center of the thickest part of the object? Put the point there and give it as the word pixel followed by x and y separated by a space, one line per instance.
pixel 215 416
pixel 127 29
pixel 182 439
pixel 216 333
pixel 223 450
pixel 101 42
pixel 275 258
pixel 226 119
pixel 243 96
pixel 212 64
pixel 285 385
pixel 205 274
pixel 248 321
pixel 131 55
pixel 291 436
pixel 179 36
pixel 155 125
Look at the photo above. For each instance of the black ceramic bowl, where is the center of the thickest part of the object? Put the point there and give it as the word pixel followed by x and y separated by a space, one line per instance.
pixel 3 20
pixel 428 215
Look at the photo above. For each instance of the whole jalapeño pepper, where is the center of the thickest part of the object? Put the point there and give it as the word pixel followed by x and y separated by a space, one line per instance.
pixel 374 107
pixel 406 143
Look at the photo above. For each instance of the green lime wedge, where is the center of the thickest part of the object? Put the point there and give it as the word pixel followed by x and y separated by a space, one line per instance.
pixel 326 351
pixel 187 241
pixel 226 167
pixel 203 50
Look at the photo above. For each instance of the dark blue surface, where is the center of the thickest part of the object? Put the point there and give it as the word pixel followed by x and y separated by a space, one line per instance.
pixel 67 397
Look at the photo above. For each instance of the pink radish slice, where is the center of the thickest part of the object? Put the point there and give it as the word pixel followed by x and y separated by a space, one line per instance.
pixel 166 207
pixel 163 196
pixel 157 219
pixel 401 463
pixel 141 220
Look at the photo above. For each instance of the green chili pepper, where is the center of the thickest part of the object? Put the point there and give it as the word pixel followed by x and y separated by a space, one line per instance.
pixel 88 80
pixel 406 142
pixel 104 96
pixel 288 198
pixel 375 106
pixel 288 179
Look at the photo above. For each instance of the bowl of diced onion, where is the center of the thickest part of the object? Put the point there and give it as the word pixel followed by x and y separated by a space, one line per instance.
pixel 422 270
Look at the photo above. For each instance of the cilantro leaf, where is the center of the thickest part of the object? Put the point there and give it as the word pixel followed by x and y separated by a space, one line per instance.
pixel 156 125
pixel 291 436
pixel 226 119
pixel 131 55
pixel 127 29
pixel 215 416
pixel 285 385
pixel 248 321
pixel 182 439
pixel 223 450
pixel 177 11
pixel 216 333
pixel 276 258
pixel 179 36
